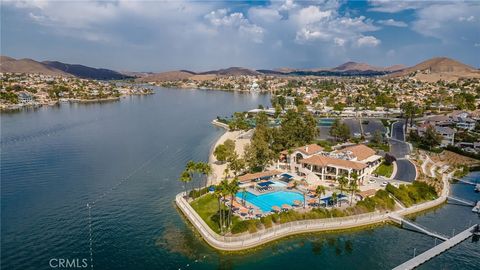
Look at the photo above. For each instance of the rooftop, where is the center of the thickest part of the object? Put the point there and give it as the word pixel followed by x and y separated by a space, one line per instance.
pixel 324 161
pixel 360 151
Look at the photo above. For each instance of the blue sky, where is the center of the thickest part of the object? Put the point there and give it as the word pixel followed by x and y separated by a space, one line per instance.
pixel 203 35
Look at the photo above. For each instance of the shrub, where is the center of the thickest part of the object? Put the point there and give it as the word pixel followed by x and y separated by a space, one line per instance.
pixel 240 227
pixel 267 221
pixel 198 192
pixel 389 159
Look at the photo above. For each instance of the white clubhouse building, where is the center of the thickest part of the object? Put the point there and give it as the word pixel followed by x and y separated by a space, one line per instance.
pixel 318 165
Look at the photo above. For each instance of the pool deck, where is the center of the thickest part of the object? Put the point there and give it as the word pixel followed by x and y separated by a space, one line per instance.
pixel 246 241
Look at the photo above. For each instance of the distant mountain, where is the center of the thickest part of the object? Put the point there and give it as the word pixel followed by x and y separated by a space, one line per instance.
pixel 439 68
pixel 232 71
pixel 395 68
pixel 354 66
pixel 176 75
pixel 86 72
pixel 346 69
pixel 135 74
pixel 12 65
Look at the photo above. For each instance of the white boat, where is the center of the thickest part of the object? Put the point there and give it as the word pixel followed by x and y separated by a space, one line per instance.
pixel 476 209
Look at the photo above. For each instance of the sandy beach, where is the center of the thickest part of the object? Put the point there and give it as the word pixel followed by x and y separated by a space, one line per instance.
pixel 241 139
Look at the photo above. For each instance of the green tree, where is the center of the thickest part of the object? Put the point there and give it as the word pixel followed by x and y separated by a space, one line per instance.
pixel 340 131
pixel 320 190
pixel 185 178
pixel 205 170
pixel 377 137
pixel 334 199
pixel 224 151
pixel 353 186
pixel 342 182
pixel 232 189
pixel 191 169
pixel 431 138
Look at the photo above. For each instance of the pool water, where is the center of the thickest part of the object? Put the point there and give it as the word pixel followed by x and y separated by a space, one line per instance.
pixel 266 201
pixel 326 122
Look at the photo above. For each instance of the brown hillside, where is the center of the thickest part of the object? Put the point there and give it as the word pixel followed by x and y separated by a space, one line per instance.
pixel 176 75
pixel 439 68
pixel 8 64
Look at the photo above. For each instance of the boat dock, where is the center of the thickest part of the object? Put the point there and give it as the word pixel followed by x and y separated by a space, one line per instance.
pixel 463 201
pixel 420 228
pixel 438 249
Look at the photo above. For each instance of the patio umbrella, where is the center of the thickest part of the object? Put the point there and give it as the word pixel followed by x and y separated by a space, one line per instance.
pixel 286 206
pixel 276 208
pixel 312 201
pixel 297 202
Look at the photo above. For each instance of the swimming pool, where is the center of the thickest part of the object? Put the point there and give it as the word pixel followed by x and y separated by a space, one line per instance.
pixel 326 122
pixel 266 201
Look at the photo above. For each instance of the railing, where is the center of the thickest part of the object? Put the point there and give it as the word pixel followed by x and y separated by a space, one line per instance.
pixel 250 240
pixel 247 240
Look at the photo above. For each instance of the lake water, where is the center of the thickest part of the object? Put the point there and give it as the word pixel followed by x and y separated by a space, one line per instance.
pixel 126 157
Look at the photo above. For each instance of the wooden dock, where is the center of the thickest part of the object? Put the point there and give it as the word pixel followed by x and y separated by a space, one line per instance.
pixel 438 249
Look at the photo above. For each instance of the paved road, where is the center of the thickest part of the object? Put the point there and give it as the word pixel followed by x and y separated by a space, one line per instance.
pixel 399 148
pixel 397 131
pixel 405 171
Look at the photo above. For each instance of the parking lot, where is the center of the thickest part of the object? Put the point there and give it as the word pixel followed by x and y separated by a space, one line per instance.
pixel 354 125
pixel 370 126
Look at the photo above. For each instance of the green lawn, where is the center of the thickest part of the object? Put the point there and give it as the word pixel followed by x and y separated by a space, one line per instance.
pixel 207 208
pixel 385 170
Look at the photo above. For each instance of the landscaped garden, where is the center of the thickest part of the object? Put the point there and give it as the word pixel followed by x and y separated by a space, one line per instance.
pixel 415 193
pixel 208 208
pixel 384 170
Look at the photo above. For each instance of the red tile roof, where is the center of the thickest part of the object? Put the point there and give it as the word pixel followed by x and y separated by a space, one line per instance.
pixel 324 161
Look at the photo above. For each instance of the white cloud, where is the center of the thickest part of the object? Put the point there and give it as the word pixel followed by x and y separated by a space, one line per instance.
pixel 449 22
pixel 394 6
pixel 392 22
pixel 339 41
pixel 312 14
pixel 221 18
pixel 264 15
pixel 368 41
pixel 308 34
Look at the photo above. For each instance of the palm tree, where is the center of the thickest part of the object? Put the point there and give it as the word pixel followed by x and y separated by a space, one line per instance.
pixel 218 195
pixel 320 190
pixel 353 186
pixel 205 170
pixel 343 182
pixel 334 198
pixel 244 194
pixel 232 189
pixel 185 178
pixel 191 168
pixel 223 187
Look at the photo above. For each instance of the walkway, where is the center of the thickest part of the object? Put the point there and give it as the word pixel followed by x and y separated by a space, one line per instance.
pixel 419 227
pixel 466 202
pixel 438 249
pixel 247 240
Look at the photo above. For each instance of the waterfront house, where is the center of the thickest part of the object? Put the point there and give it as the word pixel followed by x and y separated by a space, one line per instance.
pixel 317 165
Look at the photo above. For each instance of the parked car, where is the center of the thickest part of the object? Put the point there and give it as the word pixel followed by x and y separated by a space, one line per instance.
pixel 384 184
